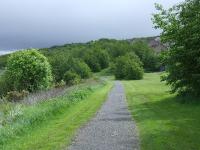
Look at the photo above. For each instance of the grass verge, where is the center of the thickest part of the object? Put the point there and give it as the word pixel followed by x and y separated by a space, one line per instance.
pixel 164 123
pixel 52 124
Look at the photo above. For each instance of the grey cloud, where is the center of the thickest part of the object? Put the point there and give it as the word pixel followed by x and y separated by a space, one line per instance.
pixel 43 23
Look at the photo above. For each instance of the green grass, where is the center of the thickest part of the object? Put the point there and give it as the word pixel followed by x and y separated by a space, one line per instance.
pixel 163 122
pixel 52 124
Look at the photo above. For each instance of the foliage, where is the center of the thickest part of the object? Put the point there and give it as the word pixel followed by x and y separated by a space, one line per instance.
pixel 147 55
pixel 98 55
pixel 79 67
pixel 181 31
pixel 92 63
pixel 128 68
pixel 97 59
pixel 28 70
pixel 102 57
pixel 115 48
pixel 5 84
pixel 59 63
pixel 163 57
pixel 71 78
pixel 62 62
pixel 15 96
pixel 3 61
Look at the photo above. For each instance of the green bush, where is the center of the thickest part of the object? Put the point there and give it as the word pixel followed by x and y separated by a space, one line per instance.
pixel 3 60
pixel 71 78
pixel 28 70
pixel 128 68
pixel 92 62
pixel 147 55
pixel 102 57
pixel 5 84
pixel 80 67
pixel 60 64
pixel 97 59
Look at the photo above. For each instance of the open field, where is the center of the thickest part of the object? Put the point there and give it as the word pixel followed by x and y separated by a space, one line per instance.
pixel 164 123
pixel 51 124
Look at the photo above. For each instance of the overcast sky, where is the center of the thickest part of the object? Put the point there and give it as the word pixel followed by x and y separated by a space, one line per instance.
pixel 44 23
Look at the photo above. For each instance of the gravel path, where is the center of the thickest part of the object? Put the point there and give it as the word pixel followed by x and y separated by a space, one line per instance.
pixel 111 129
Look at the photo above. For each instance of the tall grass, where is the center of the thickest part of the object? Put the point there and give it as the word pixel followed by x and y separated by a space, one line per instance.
pixel 29 117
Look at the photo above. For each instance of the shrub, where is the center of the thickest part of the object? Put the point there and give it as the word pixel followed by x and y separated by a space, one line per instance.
pixel 112 68
pixel 80 67
pixel 3 60
pixel 60 64
pixel 97 59
pixel 127 68
pixel 102 57
pixel 147 55
pixel 28 70
pixel 5 84
pixel 71 78
pixel 16 96
pixel 63 62
pixel 92 62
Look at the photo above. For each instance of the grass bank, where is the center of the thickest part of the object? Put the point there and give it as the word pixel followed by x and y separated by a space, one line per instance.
pixel 51 124
pixel 164 123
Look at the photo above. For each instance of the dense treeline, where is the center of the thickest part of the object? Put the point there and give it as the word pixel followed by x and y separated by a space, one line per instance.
pixel 72 62
pixel 100 54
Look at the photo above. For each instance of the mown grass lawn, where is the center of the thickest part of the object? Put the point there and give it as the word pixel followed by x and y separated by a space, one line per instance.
pixel 52 124
pixel 163 122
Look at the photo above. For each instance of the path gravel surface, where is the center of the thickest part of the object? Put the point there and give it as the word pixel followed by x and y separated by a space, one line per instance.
pixel 111 129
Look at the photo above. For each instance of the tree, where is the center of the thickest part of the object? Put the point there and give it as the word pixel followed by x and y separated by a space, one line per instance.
pixel 80 67
pixel 181 31
pixel 102 57
pixel 97 59
pixel 126 67
pixel 71 78
pixel 28 70
pixel 147 55
pixel 59 63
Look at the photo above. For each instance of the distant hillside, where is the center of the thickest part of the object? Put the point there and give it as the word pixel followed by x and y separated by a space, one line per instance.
pixel 153 42
pixel 109 44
